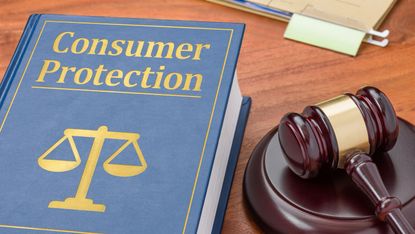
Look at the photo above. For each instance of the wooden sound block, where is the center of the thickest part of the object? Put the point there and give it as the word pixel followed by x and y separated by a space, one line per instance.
pixel 330 203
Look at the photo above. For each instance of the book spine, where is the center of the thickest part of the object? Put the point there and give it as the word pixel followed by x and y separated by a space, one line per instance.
pixel 230 170
pixel 17 56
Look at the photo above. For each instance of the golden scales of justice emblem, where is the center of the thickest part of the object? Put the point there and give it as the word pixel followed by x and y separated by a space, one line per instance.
pixel 80 200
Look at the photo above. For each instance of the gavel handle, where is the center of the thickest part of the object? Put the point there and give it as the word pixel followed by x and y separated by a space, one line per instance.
pixel 366 176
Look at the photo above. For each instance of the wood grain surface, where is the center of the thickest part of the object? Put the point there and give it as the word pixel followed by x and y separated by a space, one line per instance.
pixel 280 75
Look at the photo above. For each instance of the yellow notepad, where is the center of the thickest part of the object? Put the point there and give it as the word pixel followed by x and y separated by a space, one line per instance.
pixel 324 34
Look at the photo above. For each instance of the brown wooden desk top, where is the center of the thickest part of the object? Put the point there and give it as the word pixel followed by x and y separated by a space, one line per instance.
pixel 280 75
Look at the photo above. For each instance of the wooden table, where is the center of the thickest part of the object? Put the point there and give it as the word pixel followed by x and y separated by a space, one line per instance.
pixel 280 75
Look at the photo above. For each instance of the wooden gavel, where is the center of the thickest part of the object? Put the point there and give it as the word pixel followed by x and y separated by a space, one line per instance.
pixel 342 133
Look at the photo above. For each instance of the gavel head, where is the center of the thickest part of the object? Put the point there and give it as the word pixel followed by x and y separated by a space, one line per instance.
pixel 323 135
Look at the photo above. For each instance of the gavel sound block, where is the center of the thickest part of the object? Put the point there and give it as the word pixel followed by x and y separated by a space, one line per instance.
pixel 330 202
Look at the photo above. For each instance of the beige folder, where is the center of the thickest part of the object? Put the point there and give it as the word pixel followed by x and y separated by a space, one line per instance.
pixel 362 15
pixel 339 25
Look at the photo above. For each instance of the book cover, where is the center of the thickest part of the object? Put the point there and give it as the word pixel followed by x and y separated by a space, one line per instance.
pixel 111 125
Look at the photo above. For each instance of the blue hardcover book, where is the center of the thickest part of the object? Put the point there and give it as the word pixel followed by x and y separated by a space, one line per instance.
pixel 112 125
